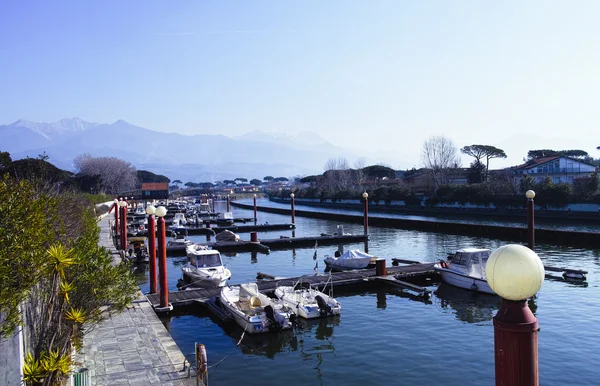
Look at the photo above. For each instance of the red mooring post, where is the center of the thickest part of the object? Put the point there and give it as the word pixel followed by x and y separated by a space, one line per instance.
pixel 530 224
pixel 255 218
pixel 116 205
pixel 152 250
pixel 516 345
pixel 162 263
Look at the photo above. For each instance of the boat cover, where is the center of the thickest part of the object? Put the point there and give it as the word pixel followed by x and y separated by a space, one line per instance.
pixel 248 290
pixel 227 235
pixel 352 259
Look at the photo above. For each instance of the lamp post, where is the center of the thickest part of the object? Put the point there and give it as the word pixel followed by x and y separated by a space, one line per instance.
pixel 161 211
pixel 116 206
pixel 365 196
pixel 516 273
pixel 123 214
pixel 255 217
pixel 150 210
pixel 228 203
pixel 530 194
pixel 293 208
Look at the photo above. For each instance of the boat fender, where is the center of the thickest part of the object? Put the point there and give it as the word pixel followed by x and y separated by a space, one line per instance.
pixel 141 227
pixel 443 264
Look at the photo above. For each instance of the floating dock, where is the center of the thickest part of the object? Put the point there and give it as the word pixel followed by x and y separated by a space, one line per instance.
pixel 338 279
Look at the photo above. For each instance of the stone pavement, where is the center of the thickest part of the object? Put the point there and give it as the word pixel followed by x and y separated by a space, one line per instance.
pixel 133 348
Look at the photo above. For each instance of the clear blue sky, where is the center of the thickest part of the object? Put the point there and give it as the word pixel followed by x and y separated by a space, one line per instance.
pixel 379 75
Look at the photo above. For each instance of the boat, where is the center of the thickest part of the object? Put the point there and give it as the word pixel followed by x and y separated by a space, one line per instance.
pixel 466 269
pixel 255 312
pixel 204 268
pixel 308 302
pixel 178 243
pixel 179 219
pixel 352 259
pixel 137 250
pixel 225 219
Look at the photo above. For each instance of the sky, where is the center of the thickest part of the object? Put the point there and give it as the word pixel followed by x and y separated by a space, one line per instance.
pixel 378 77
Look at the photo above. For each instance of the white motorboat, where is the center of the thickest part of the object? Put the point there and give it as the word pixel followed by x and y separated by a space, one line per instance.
pixel 178 243
pixel 352 259
pixel 308 303
pixel 204 268
pixel 179 220
pixel 466 269
pixel 255 312
pixel 225 219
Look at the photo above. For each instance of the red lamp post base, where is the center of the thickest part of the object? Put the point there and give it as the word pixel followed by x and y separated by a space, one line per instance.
pixel 516 345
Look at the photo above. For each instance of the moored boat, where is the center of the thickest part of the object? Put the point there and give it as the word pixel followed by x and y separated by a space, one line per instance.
pixel 204 268
pixel 255 312
pixel 352 259
pixel 308 302
pixel 466 269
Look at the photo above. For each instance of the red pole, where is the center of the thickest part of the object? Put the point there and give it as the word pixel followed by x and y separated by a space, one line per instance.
pixel 366 216
pixel 152 250
pixel 116 205
pixel 293 209
pixel 255 208
pixel 121 227
pixel 530 224
pixel 162 263
pixel 516 345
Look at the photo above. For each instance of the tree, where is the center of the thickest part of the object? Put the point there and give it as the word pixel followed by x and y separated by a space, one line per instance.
pixel 359 173
pixel 308 180
pixel 480 152
pixel 5 160
pixel 280 179
pixel 115 174
pixel 255 182
pixel 229 182
pixel 189 184
pixel 579 154
pixel 177 182
pixel 439 156
pixel 268 178
pixel 337 174
pixel 241 180
pixel 475 175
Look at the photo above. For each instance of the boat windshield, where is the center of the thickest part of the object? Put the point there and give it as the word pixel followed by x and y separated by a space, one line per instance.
pixel 212 260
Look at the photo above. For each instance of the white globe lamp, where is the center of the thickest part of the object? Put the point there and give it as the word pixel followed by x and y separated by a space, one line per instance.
pixel 161 211
pixel 150 210
pixel 514 272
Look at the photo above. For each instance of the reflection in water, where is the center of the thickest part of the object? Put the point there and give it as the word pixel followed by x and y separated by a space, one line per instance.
pixel 315 350
pixel 381 300
pixel 254 257
pixel 469 306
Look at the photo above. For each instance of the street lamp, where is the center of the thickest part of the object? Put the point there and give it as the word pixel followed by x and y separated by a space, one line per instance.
pixel 161 211
pixel 293 209
pixel 365 196
pixel 516 273
pixel 123 229
pixel 150 210
pixel 530 194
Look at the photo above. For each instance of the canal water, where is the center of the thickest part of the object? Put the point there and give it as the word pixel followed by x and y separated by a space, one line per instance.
pixel 390 336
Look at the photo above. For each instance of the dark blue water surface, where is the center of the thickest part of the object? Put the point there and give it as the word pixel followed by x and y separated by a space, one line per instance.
pixel 390 337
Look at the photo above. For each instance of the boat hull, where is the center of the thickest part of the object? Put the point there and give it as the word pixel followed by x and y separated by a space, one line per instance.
pixel 200 279
pixel 465 282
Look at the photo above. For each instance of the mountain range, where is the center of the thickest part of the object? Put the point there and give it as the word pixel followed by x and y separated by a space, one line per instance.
pixel 197 158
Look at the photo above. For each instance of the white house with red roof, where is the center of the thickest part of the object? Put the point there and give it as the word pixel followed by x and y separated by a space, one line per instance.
pixel 561 169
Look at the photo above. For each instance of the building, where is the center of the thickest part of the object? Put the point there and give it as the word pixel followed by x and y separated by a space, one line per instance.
pixel 155 190
pixel 560 169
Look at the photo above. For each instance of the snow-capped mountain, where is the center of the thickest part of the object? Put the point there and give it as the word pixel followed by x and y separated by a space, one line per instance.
pixel 182 156
pixel 53 129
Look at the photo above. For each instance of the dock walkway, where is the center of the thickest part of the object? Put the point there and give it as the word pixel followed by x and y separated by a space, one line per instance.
pixel 134 347
pixel 339 279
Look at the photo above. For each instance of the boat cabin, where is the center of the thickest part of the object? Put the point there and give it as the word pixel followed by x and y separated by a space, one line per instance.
pixel 206 259
pixel 470 261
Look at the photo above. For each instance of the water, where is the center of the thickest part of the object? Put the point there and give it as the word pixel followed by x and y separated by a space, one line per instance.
pixel 541 222
pixel 389 336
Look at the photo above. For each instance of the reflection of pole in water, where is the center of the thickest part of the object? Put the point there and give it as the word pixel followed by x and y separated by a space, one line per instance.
pixel 381 300
pixel 366 246
pixel 253 257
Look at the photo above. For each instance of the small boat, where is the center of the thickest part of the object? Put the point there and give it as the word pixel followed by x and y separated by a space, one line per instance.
pixel 178 243
pixel 255 312
pixel 179 219
pixel 308 303
pixel 137 250
pixel 204 268
pixel 353 259
pixel 466 269
pixel 225 219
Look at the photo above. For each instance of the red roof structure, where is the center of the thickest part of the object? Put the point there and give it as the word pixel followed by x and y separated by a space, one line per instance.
pixel 155 186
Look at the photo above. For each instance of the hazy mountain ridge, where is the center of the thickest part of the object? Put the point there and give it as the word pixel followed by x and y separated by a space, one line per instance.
pixel 201 157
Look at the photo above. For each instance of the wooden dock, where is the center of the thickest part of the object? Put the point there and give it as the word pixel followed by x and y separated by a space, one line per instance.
pixel 338 279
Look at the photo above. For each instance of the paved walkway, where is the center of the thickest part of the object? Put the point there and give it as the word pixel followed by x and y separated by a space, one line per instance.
pixel 132 348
